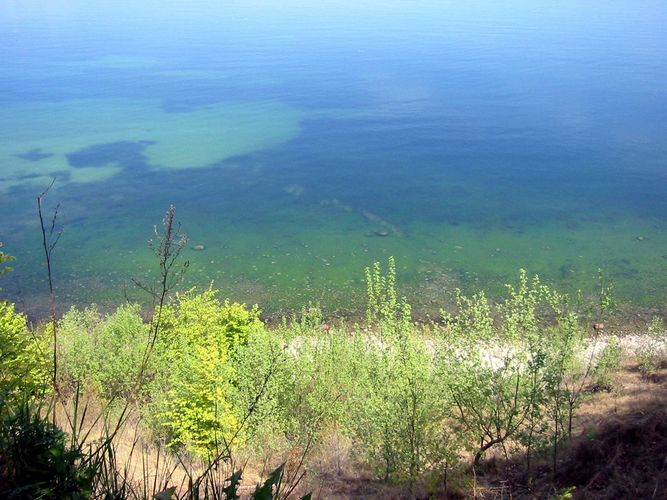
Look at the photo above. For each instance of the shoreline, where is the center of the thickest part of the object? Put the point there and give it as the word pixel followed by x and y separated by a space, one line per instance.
pixel 627 319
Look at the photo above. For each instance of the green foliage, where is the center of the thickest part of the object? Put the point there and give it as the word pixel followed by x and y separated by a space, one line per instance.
pixel 494 369
pixel 650 352
pixel 411 400
pixel 565 493
pixel 606 294
pixel 4 258
pixel 196 406
pixel 566 374
pixel 315 385
pixel 103 352
pixel 383 308
pixel 656 329
pixel 608 363
pixel 194 317
pixel 262 372
pixel 35 460
pixel 397 409
pixel 309 321
pixel 23 365
pixel 198 337
pixel 515 376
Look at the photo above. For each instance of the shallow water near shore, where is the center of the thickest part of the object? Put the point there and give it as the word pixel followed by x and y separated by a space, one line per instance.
pixel 300 143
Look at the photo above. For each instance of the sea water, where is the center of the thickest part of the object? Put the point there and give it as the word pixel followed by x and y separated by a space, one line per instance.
pixel 302 141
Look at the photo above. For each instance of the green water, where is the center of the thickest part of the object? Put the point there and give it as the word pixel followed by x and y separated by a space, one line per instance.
pixel 301 143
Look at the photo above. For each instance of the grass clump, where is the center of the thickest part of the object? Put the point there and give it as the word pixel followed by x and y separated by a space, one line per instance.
pixel 650 352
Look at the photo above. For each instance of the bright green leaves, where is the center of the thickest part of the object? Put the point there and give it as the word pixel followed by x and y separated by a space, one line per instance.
pixel 397 407
pixel 4 258
pixel 472 323
pixel 196 407
pixel 200 318
pixel 192 377
pixel 195 374
pixel 22 354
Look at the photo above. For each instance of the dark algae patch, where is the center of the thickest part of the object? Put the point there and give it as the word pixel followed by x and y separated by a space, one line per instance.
pixel 34 155
pixel 126 154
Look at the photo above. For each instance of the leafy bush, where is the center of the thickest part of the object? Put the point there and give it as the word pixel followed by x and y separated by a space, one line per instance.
pixel 316 385
pixel 4 258
pixel 23 354
pixel 103 352
pixel 496 370
pixel 608 363
pixel 397 407
pixel 651 350
pixel 35 460
pixel 515 375
pixel 262 370
pixel 196 316
pixel 194 373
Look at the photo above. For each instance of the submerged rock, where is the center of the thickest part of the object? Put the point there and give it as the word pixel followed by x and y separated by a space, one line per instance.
pixel 381 233
pixel 294 189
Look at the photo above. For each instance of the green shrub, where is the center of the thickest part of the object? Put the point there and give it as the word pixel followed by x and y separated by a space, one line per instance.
pixel 397 409
pixel 608 363
pixel 494 370
pixel 194 373
pixel 23 354
pixel 194 316
pixel 515 375
pixel 35 460
pixel 651 349
pixel 4 258
pixel 103 352
pixel 263 371
pixel 316 384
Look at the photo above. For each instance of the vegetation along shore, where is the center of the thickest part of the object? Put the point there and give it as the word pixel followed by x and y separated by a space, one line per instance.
pixel 535 394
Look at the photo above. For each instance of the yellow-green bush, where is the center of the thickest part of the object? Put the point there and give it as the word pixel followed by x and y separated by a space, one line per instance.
pixel 23 355
pixel 197 337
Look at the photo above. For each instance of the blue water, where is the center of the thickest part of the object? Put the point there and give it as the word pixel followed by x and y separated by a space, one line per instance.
pixel 300 141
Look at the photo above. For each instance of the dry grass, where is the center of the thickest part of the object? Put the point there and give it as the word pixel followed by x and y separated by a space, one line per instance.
pixel 621 449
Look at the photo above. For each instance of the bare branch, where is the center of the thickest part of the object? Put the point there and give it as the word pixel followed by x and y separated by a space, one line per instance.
pixel 49 242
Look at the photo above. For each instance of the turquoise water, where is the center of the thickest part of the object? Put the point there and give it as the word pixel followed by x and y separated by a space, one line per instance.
pixel 301 141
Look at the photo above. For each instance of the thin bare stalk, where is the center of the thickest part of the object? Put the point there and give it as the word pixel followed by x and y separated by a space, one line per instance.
pixel 50 238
